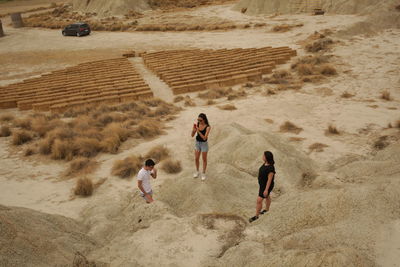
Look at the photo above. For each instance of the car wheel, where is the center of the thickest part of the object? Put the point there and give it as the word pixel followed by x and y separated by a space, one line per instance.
pixel 64 33
pixel 78 34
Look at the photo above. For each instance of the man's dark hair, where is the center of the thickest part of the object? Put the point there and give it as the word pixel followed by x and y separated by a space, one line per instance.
pixel 149 162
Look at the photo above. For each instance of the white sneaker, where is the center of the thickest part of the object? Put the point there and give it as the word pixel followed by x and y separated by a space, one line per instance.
pixel 196 174
pixel 203 176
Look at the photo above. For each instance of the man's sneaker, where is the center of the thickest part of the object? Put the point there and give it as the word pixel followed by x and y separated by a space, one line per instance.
pixel 196 174
pixel 203 176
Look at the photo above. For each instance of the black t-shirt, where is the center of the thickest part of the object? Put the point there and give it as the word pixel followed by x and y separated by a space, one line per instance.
pixel 198 137
pixel 263 175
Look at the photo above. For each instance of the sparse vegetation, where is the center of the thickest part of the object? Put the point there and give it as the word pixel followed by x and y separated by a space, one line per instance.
pixel 227 107
pixel 80 166
pixel 215 93
pixel 189 102
pixel 158 153
pixel 385 95
pixel 84 187
pixel 171 166
pixel 286 27
pixel 178 98
pixel 381 143
pixel 210 102
pixel 307 178
pixel 29 151
pixel 289 127
pixel 6 118
pixel 322 44
pixel 317 147
pixel 346 94
pixel 20 137
pixel 5 131
pixel 127 167
pixel 332 130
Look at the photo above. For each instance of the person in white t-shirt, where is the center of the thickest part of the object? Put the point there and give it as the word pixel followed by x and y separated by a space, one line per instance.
pixel 143 178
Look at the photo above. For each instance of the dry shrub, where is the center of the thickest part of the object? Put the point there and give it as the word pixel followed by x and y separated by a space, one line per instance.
pixel 178 99
pixel 311 60
pixel 319 45
pixel 398 124
pixel 269 91
pixel 116 129
pixel 29 151
pixel 110 144
pixel 158 153
pixel 171 166
pixel 237 94
pixel 162 110
pixel 381 143
pixel 45 146
pixel 346 94
pixel 327 70
pixel 24 123
pixel 127 167
pixel 6 117
pixel 62 149
pixel 42 125
pixel 289 127
pixel 269 121
pixel 304 69
pixel 5 131
pixel 227 107
pixel 20 137
pixel 210 102
pixel 84 187
pixel 285 27
pixel 87 147
pixel 81 166
pixel 385 95
pixel 317 147
pixel 332 130
pixel 189 102
pixel 296 139
pixel 149 128
pixel 215 93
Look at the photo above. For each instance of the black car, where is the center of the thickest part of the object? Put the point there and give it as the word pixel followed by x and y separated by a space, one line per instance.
pixel 76 29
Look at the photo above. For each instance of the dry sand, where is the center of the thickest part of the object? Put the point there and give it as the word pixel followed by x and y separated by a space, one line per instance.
pixel 347 214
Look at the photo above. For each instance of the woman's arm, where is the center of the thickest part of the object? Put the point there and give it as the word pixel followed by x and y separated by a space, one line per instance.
pixel 194 129
pixel 270 176
pixel 204 137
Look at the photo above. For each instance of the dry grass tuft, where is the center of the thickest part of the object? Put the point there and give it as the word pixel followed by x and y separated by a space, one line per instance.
pixel 397 124
pixel 171 166
pixel 296 139
pixel 87 147
pixel 285 27
pixel 269 121
pixel 227 107
pixel 319 45
pixel 158 153
pixel 21 137
pixel 127 167
pixel 304 69
pixel 29 151
pixel 381 143
pixel 385 95
pixel 6 118
pixel 289 127
pixel 81 166
pixel 317 147
pixel 346 94
pixel 332 130
pixel 178 98
pixel 237 94
pixel 24 123
pixel 84 187
pixel 189 103
pixel 210 102
pixel 327 70
pixel 5 131
pixel 149 128
pixel 62 149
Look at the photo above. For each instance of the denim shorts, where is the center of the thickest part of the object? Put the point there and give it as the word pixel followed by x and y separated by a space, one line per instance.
pixel 201 146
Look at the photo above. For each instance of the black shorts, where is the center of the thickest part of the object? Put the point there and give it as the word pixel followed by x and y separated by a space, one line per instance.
pixel 262 189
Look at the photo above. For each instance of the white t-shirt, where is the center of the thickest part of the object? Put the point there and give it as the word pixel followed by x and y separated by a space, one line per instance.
pixel 145 176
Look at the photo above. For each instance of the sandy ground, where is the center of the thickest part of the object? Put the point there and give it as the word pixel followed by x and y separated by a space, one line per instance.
pixel 348 216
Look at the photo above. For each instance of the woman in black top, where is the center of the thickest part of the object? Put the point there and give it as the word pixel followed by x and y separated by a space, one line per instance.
pixel 266 175
pixel 202 128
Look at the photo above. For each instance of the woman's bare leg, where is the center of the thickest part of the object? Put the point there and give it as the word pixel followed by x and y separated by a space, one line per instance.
pixel 204 155
pixel 267 202
pixel 197 159
pixel 259 206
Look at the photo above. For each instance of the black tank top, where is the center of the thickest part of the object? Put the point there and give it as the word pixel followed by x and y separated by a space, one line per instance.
pixel 198 137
